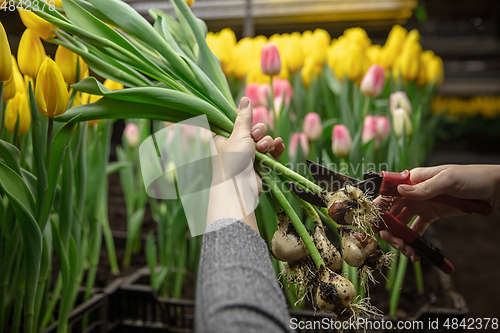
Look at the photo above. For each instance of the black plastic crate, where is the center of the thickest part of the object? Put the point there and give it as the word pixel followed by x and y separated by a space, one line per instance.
pixel 131 307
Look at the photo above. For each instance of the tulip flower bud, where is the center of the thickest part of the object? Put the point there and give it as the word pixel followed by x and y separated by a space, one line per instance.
pixel 263 93
pixel 30 54
pixel 399 100
pixel 68 61
pixel 294 143
pixel 401 118
pixel 38 25
pixel 373 81
pixel 278 105
pixel 341 141
pixel 270 62
pixel 131 134
pixel 383 127
pixel 294 56
pixel 51 94
pixel 18 107
pixel 5 56
pixel 9 89
pixel 312 126
pixel 283 88
pixel 189 2
pixel 251 91
pixel 261 115
pixel 112 85
pixel 369 129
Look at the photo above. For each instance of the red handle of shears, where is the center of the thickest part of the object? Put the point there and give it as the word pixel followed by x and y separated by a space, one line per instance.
pixel 410 237
pixel 391 181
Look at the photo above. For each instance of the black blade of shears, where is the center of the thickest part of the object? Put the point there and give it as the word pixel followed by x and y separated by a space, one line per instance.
pixel 332 180
pixel 307 196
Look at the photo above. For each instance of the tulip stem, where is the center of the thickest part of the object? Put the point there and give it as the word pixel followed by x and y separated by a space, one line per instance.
pixel 366 106
pixel 49 144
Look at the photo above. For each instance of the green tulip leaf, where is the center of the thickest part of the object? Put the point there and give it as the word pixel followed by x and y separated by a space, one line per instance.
pixel 59 146
pixel 207 61
pixel 143 102
pixel 22 202
pixel 14 186
pixel 11 156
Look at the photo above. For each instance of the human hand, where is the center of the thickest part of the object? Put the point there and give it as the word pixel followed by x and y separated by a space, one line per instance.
pixel 232 168
pixel 480 182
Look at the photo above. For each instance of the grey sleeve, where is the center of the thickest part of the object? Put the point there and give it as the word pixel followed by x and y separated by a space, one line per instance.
pixel 237 290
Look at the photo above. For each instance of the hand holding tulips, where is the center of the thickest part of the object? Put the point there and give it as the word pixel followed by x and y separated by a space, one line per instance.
pixel 235 155
pixel 480 182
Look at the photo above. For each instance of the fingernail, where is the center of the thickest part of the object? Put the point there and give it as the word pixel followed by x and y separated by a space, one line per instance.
pixel 256 133
pixel 264 145
pixel 407 188
pixel 244 103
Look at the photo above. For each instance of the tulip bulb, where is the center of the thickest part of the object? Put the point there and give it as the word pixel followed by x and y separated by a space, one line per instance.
pixel 334 292
pixel 286 244
pixel 349 206
pixel 357 246
pixel 328 251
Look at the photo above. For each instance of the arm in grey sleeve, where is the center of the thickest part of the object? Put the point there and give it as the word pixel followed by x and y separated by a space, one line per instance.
pixel 237 290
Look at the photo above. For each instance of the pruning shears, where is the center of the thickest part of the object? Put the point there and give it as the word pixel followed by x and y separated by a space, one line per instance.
pixel 385 184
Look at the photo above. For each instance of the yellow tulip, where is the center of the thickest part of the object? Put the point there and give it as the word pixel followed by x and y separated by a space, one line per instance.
pixel 355 63
pixel 30 54
pixel 112 85
pixel 189 2
pixel 27 81
pixel 67 62
pixel 222 44
pixel 310 71
pixel 9 89
pixel 392 46
pixel 293 55
pixel 373 54
pixel 433 68
pixel 51 94
pixel 18 107
pixel 77 100
pixel 412 37
pixel 58 3
pixel 5 56
pixel 358 36
pixel 407 65
pixel 41 27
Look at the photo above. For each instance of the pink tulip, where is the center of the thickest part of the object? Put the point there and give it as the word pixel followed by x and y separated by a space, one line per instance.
pixel 131 134
pixel 252 92
pixel 261 115
pixel 341 141
pixel 369 129
pixel 398 100
pixel 383 126
pixel 263 93
pixel 373 81
pixel 294 142
pixel 283 88
pixel 278 105
pixel 312 126
pixel 270 62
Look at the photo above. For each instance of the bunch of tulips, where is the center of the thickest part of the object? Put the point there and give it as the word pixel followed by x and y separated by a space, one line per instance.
pixel 170 74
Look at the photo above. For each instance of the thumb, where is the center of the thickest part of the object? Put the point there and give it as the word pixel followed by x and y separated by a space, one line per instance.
pixel 425 190
pixel 243 122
